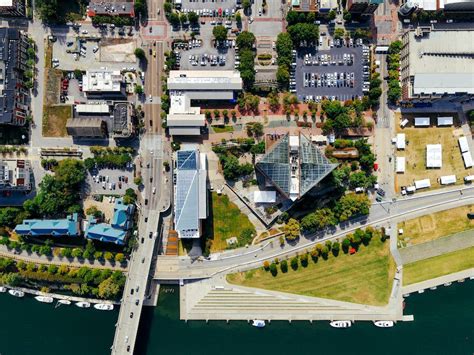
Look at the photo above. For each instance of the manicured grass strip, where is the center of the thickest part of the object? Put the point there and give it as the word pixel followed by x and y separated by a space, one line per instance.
pixel 436 225
pixel 223 129
pixel 438 266
pixel 365 277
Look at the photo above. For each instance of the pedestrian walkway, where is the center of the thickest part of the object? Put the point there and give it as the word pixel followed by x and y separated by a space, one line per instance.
pixel 437 247
pixel 56 260
pixel 442 280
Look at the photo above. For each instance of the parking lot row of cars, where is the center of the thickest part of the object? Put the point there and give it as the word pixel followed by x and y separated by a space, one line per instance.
pixel 192 43
pixel 293 72
pixel 365 69
pixel 205 59
pixel 210 12
pixel 328 59
pixel 107 182
pixel 336 79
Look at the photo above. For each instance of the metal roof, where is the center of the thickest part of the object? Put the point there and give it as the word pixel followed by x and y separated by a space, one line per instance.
pixel 444 83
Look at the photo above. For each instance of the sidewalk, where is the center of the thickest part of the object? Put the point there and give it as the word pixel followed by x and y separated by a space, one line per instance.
pixel 56 260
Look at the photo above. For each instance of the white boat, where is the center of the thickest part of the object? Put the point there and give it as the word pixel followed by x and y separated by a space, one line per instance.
pixel 384 323
pixel 258 323
pixel 447 284
pixel 64 302
pixel 3 289
pixel 83 304
pixel 433 288
pixel 16 293
pixel 104 306
pixel 341 324
pixel 44 299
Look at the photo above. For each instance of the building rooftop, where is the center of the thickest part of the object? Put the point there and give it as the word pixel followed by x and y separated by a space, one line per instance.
pixel 294 170
pixel 15 175
pixel 102 81
pixel 110 7
pixel 449 83
pixel 86 127
pixel 190 192
pixel 204 80
pixel 54 227
pixel 442 52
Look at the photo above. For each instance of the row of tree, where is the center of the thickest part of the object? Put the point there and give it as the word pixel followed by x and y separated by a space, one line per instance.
pixel 393 58
pixel 84 281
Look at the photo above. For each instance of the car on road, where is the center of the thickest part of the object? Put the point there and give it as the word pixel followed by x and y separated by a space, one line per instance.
pixel 378 199
pixel 143 240
pixel 137 302
pixel 131 314
pixel 154 190
pixel 381 192
pixel 150 98
pixel 84 32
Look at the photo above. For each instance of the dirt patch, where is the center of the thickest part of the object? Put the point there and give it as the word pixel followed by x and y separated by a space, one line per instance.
pixel 118 50
pixel 106 207
pixel 54 120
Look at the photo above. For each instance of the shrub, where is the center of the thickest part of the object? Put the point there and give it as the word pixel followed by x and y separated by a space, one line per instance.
pixel 273 269
pixel 346 243
pixel 294 263
pixel 266 265
pixel 304 260
pixel 335 248
pixel 284 266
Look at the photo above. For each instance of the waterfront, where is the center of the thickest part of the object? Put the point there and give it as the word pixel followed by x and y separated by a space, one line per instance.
pixel 443 325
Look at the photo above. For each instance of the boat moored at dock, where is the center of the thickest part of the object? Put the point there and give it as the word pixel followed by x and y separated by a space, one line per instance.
pixel 3 289
pixel 384 323
pixel 83 304
pixel 44 299
pixel 104 306
pixel 16 293
pixel 341 324
pixel 258 323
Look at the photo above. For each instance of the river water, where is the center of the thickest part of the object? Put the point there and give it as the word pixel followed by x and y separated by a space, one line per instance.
pixel 444 324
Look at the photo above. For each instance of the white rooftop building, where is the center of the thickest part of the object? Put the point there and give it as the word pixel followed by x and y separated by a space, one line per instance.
pixel 102 81
pixel 445 121
pixel 187 85
pixel 400 166
pixel 434 156
pixel 448 180
pixel 401 141
pixel 190 192
pixel 422 121
pixel 463 145
pixel 422 184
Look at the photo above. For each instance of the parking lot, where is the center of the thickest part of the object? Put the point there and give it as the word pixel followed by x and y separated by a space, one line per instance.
pixel 204 7
pixel 335 72
pixel 202 56
pixel 110 181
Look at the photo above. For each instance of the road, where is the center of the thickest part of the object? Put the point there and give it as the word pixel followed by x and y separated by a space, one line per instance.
pixel 154 198
pixel 385 214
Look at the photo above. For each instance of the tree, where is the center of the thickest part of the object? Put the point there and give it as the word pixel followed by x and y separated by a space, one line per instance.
pixel 66 252
pixel 183 18
pixel 341 122
pixel 346 243
pixel 284 47
pixel 140 53
pixel 173 19
pixel 246 4
pixel 339 33
pixel 193 18
pixel 294 263
pixel 220 33
pixel 351 205
pixel 347 16
pixel 303 32
pixel 332 15
pixel 139 89
pixel 52 269
pixel 108 289
pixel 119 257
pixel 245 40
pixel 335 248
pixel 76 253
pixel 93 211
pixel 292 229
pixel 108 256
pixel 273 267
pixel 395 47
pixel 238 19
pixel 319 219
pixel 283 76
pixel 292 17
pixel 266 265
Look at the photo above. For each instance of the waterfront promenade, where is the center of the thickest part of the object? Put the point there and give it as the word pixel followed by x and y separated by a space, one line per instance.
pixel 438 281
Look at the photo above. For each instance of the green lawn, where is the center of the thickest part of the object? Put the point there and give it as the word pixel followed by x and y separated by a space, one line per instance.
pixel 365 277
pixel 438 266
pixel 223 129
pixel 225 221
pixel 436 225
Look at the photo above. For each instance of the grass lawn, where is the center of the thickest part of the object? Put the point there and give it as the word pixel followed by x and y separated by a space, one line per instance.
pixel 225 221
pixel 438 266
pixel 415 154
pixel 435 225
pixel 365 277
pixel 54 120
pixel 223 129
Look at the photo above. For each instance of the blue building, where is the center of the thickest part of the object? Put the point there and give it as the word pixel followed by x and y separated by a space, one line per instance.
pixel 50 227
pixel 115 232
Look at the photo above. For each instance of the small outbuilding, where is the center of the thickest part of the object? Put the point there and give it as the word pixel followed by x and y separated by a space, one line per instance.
pixel 422 184
pixel 401 161
pixel 463 145
pixel 401 141
pixel 448 180
pixel 466 156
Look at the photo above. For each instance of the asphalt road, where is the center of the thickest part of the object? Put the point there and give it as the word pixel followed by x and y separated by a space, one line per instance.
pixel 384 214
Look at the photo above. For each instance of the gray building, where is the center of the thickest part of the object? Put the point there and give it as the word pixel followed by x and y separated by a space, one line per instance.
pixel 437 63
pixel 191 206
pixel 14 96
pixel 86 127
pixel 15 8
